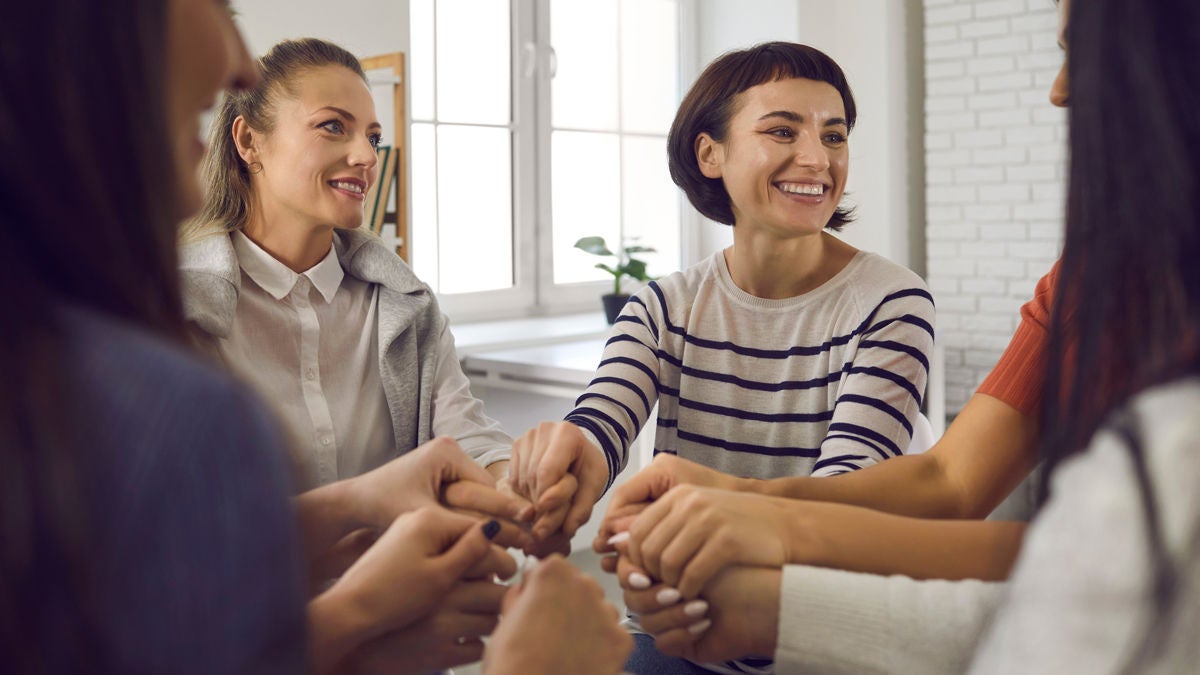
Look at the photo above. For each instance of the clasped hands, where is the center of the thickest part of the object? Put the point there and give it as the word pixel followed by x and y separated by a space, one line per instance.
pixel 405 562
pixel 698 554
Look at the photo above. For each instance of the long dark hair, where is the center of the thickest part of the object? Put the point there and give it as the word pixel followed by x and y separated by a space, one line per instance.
pixel 1127 308
pixel 87 210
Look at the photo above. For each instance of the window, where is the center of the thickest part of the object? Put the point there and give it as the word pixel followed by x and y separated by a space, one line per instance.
pixel 535 123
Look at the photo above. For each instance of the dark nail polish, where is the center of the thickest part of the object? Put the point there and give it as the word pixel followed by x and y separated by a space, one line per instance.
pixel 491 528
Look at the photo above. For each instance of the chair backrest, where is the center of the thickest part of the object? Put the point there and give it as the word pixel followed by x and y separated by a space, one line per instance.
pixel 923 436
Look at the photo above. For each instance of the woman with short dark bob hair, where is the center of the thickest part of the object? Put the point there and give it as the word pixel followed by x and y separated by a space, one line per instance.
pixel 789 353
pixel 711 102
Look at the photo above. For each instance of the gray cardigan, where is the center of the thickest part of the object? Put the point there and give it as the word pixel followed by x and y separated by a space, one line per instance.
pixel 411 328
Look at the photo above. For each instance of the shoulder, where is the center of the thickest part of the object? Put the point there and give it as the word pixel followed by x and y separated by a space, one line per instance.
pixel 366 257
pixel 1161 425
pixel 682 287
pixel 882 288
pixel 138 394
pixel 875 271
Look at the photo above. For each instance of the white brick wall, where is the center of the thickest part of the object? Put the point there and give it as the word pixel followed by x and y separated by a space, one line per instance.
pixel 994 173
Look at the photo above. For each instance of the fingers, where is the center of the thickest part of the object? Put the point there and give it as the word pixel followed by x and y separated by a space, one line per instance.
pixel 497 562
pixel 593 478
pixel 471 548
pixel 480 498
pixel 475 597
pixel 454 464
pixel 558 446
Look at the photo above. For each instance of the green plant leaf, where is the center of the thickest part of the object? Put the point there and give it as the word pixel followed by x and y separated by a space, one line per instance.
pixel 615 272
pixel 636 269
pixel 640 249
pixel 593 245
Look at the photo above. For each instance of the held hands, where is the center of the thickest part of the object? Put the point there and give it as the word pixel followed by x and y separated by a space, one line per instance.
pixel 557 468
pixel 691 533
pixel 424 557
pixel 438 471
pixel 652 482
pixel 737 614
pixel 557 621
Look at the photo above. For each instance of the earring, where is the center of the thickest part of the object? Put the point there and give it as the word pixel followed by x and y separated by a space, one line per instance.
pixel 252 167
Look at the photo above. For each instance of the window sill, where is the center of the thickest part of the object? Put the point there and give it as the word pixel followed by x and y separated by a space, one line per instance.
pixel 473 337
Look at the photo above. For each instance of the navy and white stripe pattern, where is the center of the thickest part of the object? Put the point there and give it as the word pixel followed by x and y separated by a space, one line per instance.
pixel 819 384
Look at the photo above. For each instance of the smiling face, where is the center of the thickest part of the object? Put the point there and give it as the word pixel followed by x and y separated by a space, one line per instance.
pixel 319 160
pixel 1060 90
pixel 204 55
pixel 784 159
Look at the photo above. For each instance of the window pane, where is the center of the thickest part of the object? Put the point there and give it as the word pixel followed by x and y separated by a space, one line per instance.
pixel 473 56
pixel 586 201
pixel 423 228
pixel 584 90
pixel 651 202
pixel 649 64
pixel 474 209
pixel 420 58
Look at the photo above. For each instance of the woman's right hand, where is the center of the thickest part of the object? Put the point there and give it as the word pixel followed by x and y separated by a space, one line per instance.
pixel 557 468
pixel 557 621
pixel 737 614
pixel 401 578
pixel 436 472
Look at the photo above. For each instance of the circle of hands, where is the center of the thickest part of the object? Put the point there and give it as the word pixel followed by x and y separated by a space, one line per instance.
pixel 414 560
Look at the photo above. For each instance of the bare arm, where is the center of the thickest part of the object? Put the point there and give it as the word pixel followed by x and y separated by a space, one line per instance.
pixel 985 453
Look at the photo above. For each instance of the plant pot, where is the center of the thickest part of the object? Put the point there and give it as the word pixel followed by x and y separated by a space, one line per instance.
pixel 613 304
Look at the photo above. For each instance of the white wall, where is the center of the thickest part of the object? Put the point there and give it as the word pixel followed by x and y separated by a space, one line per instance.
pixel 365 27
pixel 995 151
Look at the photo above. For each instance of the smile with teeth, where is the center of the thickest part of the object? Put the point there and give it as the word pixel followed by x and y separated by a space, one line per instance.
pixel 803 188
pixel 348 187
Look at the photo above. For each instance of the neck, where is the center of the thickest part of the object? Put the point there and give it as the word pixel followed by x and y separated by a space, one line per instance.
pixel 296 246
pixel 767 267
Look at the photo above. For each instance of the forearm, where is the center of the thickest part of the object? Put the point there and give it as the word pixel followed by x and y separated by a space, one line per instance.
pixel 985 453
pixel 910 626
pixel 863 540
pixel 913 485
pixel 326 515
pixel 335 629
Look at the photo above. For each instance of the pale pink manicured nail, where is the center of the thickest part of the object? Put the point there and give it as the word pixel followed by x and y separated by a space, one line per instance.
pixel 667 597
pixel 695 608
pixel 618 538
pixel 699 627
pixel 639 581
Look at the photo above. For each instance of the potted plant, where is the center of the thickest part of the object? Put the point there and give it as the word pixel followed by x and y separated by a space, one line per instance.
pixel 626 266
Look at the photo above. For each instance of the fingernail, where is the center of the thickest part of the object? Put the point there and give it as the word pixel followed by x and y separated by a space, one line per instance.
pixel 639 581
pixel 667 596
pixel 491 528
pixel 699 627
pixel 618 538
pixel 695 608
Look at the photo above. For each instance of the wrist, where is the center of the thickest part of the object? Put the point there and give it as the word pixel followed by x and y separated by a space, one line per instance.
pixel 337 625
pixel 769 600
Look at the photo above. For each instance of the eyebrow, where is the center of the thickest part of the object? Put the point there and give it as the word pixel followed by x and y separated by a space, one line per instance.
pixel 793 117
pixel 347 115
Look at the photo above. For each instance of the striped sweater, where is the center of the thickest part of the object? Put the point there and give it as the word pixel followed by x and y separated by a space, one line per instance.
pixel 822 383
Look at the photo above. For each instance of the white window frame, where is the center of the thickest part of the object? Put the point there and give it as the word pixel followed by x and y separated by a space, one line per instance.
pixel 533 292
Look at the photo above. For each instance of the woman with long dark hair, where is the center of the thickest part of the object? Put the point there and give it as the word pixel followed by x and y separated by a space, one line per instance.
pixel 145 521
pixel 1108 579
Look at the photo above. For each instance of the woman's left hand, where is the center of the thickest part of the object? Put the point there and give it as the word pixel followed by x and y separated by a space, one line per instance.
pixel 691 533
pixel 736 615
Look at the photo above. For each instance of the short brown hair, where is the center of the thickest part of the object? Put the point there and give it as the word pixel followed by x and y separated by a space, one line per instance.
pixel 712 101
